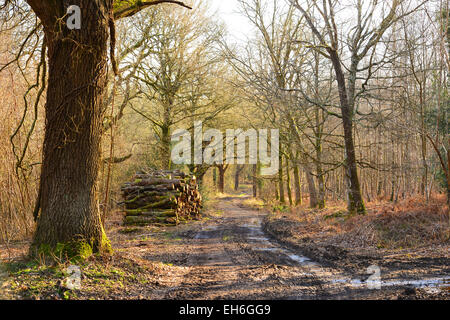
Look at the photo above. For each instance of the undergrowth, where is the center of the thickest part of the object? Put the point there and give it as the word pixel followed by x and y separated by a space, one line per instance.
pixel 406 224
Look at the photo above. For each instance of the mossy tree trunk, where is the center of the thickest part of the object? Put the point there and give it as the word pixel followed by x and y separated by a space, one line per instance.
pixel 73 112
pixel 215 178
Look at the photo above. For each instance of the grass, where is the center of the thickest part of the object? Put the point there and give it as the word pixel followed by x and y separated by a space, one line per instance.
pixel 227 238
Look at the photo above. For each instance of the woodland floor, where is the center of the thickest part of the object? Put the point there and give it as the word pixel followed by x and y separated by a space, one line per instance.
pixel 235 252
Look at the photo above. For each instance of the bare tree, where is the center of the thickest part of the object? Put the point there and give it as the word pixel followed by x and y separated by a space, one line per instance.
pixel 78 63
pixel 363 38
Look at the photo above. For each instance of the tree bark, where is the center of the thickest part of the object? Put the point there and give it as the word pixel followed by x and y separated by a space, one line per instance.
pixel 237 175
pixel 277 196
pixel 221 184
pixel 320 176
pixel 288 183
pixel 320 120
pixel 355 201
pixel 447 175
pixel 311 187
pixel 165 147
pixel 255 180
pixel 215 178
pixel 297 183
pixel 73 112
pixel 280 181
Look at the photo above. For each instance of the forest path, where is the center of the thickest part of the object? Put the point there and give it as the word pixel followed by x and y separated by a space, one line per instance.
pixel 230 257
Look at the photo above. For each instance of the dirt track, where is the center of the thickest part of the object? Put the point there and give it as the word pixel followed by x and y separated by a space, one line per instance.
pixel 230 257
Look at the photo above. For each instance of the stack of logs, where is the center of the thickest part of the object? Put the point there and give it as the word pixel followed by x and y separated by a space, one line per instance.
pixel 161 197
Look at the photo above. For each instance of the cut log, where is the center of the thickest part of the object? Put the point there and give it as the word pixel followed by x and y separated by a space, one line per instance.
pixel 161 197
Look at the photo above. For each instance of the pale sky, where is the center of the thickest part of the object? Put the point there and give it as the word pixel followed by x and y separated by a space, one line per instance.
pixel 228 11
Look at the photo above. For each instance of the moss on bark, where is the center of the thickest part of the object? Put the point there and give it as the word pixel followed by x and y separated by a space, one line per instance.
pixel 73 251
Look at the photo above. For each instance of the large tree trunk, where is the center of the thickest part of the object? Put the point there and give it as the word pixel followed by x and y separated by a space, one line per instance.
pixel 76 84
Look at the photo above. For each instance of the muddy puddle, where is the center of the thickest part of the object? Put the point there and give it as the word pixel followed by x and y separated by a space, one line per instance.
pixel 207 233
